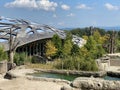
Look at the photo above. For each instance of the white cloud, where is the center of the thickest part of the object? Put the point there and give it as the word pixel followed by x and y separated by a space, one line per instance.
pixel 34 4
pixel 54 15
pixel 71 15
pixel 61 23
pixel 83 6
pixel 65 7
pixel 111 7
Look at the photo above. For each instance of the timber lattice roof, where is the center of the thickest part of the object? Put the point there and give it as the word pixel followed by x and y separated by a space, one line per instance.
pixel 25 32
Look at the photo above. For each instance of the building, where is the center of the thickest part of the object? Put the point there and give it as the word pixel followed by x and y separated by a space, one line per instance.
pixel 25 36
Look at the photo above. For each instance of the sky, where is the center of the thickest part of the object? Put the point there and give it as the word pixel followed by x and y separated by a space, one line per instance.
pixel 64 13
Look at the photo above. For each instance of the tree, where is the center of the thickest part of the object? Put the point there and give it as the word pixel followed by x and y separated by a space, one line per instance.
pixel 67 47
pixel 68 44
pixel 50 49
pixel 58 44
pixel 57 41
pixel 75 50
pixel 9 31
pixel 11 36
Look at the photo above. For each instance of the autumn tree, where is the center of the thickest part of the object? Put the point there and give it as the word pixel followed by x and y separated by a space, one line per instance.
pixel 50 49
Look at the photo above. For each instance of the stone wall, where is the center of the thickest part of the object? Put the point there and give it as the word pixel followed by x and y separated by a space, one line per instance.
pixel 85 83
pixel 114 62
pixel 3 66
pixel 74 72
pixel 103 65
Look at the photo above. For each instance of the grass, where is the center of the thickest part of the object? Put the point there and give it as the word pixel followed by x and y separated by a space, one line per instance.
pixel 41 66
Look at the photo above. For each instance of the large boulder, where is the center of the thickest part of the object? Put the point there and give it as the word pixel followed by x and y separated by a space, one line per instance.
pixel 85 83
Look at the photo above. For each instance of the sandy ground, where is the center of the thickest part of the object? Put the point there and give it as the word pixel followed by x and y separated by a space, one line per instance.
pixel 24 84
pixel 114 68
pixel 21 83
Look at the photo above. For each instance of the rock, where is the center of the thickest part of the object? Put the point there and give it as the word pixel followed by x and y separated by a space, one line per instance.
pixel 48 79
pixel 16 73
pixel 95 84
pixel 11 66
pixel 68 87
pixel 3 66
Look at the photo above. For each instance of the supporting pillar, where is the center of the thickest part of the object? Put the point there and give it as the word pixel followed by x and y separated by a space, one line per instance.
pixel 37 48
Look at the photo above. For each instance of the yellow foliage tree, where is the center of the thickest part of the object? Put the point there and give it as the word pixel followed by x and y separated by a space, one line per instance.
pixel 100 39
pixel 85 37
pixel 50 49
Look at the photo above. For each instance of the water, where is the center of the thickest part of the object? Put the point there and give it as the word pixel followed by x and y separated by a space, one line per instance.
pixel 66 77
pixel 111 78
pixel 57 76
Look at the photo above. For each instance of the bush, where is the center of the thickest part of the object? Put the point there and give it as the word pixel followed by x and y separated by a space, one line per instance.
pixel 3 54
pixel 21 58
pixel 76 63
pixel 38 59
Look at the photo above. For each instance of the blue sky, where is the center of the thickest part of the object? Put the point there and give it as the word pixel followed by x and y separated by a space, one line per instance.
pixel 64 13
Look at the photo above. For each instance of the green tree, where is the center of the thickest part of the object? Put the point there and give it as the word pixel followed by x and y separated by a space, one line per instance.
pixel 57 41
pixel 21 58
pixel 58 45
pixel 75 50
pixel 91 44
pixel 67 44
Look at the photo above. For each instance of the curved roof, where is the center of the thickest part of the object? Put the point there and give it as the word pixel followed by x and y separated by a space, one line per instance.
pixel 24 32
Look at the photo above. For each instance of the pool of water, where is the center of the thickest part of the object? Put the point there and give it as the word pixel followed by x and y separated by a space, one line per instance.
pixel 111 78
pixel 57 76
pixel 66 77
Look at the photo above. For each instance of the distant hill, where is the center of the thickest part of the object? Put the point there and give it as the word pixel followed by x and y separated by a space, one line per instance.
pixel 111 28
pixel 67 28
pixel 106 28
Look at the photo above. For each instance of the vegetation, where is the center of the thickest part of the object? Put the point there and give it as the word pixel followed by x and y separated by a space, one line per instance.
pixel 57 41
pixel 21 59
pixel 50 49
pixel 42 66
pixel 75 58
pixel 3 54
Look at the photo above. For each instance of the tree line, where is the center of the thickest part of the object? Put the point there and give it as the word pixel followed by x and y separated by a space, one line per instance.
pixel 70 56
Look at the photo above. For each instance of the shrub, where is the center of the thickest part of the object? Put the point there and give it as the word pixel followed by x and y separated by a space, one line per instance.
pixel 38 59
pixel 76 63
pixel 3 54
pixel 21 58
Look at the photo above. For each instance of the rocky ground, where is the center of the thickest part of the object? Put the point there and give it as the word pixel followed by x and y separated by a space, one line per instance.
pixel 114 68
pixel 24 84
pixel 20 82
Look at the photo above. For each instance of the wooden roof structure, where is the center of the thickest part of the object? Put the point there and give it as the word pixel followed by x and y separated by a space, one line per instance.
pixel 25 32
